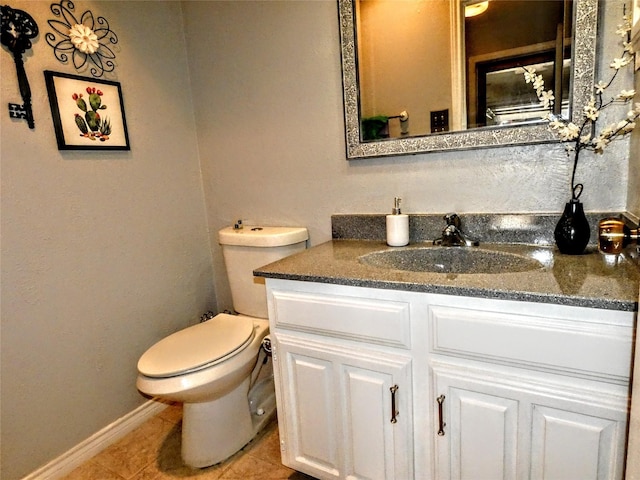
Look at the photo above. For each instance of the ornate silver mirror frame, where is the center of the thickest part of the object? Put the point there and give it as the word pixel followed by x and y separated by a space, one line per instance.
pixel 582 80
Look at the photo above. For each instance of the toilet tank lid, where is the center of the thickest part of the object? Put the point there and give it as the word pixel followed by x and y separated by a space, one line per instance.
pixel 259 236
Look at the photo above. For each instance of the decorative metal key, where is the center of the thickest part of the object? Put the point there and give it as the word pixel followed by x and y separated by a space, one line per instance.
pixel 18 28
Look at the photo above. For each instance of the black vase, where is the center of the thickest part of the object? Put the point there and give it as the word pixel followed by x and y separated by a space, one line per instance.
pixel 572 231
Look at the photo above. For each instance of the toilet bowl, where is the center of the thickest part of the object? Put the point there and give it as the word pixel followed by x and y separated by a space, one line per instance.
pixel 213 384
pixel 217 368
pixel 198 374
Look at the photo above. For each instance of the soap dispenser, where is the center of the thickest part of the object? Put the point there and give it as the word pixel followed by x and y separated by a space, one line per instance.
pixel 397 226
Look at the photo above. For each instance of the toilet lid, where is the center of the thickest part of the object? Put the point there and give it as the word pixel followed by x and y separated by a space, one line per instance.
pixel 197 346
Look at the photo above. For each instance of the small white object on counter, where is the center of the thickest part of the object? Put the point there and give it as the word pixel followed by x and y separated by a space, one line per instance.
pixel 397 226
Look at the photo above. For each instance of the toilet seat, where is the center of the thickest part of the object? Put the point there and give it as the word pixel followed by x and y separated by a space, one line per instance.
pixel 197 347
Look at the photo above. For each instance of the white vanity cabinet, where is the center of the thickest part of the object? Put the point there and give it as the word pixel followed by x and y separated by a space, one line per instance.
pixel 495 427
pixel 344 369
pixel 527 390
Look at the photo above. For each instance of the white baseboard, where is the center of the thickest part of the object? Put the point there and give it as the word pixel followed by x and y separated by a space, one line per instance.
pixel 97 442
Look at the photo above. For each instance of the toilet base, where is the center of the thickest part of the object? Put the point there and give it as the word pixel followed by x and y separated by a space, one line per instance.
pixel 213 431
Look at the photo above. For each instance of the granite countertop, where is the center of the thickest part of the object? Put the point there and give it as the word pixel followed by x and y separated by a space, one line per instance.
pixel 591 280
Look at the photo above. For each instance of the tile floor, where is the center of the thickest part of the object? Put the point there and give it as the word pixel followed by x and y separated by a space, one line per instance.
pixel 152 452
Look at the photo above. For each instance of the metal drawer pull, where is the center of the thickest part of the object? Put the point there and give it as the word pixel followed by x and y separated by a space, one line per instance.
pixel 394 412
pixel 441 423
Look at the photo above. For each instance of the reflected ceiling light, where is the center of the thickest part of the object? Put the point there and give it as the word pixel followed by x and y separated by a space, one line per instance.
pixel 475 8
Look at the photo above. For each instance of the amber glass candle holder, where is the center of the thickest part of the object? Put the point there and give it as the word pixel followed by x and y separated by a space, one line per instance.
pixel 614 235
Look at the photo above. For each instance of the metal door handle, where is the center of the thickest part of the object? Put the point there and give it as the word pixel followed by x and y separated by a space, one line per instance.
pixel 394 412
pixel 441 423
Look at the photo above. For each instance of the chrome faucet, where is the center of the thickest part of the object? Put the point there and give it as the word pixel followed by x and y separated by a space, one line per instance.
pixel 452 235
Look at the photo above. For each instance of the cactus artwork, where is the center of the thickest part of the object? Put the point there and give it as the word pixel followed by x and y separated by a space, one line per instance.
pixel 91 124
pixel 80 115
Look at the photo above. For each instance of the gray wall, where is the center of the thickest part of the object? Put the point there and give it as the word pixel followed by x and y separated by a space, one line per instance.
pixel 633 461
pixel 102 253
pixel 271 133
pixel 633 201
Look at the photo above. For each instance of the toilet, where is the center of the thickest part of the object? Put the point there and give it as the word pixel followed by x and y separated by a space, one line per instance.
pixel 219 368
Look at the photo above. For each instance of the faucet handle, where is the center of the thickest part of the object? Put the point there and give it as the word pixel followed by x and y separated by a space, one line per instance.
pixel 452 219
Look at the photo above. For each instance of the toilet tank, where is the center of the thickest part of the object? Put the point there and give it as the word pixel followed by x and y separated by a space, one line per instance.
pixel 252 247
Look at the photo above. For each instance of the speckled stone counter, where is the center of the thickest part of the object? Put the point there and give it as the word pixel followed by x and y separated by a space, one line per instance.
pixel 590 280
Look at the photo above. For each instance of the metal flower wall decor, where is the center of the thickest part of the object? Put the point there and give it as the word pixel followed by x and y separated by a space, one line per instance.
pixel 85 40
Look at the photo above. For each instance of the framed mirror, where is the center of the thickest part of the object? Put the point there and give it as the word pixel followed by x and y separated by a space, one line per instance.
pixel 423 75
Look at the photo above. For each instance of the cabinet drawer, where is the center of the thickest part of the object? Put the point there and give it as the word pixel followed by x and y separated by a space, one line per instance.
pixel 571 345
pixel 369 320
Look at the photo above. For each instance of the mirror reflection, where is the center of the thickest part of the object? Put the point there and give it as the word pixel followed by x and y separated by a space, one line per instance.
pixel 478 49
pixel 419 73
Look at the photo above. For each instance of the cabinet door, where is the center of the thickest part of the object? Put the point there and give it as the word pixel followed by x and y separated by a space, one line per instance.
pixel 307 411
pixel 518 427
pixel 478 431
pixel 337 417
pixel 574 445
pixel 377 419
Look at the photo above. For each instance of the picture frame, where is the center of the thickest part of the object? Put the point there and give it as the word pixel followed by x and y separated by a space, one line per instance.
pixel 87 114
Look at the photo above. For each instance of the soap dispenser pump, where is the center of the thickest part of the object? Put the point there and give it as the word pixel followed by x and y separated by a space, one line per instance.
pixel 397 226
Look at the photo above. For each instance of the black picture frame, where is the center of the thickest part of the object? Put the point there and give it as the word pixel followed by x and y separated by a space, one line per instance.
pixel 87 113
